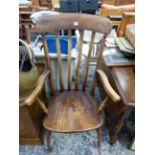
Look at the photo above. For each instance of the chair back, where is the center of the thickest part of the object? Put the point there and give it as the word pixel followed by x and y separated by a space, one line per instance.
pixel 69 22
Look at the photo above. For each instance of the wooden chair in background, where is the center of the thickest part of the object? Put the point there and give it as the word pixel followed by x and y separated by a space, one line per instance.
pixel 74 109
pixel 116 13
pixel 128 18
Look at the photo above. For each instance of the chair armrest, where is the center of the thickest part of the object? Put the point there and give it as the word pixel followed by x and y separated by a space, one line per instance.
pixel 107 87
pixel 39 86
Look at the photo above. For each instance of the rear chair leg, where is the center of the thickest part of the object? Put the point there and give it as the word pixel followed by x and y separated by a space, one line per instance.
pixel 99 137
pixel 48 138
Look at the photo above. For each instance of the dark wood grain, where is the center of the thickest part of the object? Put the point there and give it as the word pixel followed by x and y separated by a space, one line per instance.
pixel 124 78
pixel 74 21
pixel 77 112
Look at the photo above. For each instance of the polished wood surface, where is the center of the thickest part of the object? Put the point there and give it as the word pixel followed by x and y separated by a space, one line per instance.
pixel 124 77
pixel 72 111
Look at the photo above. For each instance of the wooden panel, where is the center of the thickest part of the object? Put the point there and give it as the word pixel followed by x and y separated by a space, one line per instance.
pixel 79 59
pixel 125 79
pixel 59 61
pixel 30 124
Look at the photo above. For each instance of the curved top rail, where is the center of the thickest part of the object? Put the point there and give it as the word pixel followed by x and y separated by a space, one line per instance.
pixel 74 21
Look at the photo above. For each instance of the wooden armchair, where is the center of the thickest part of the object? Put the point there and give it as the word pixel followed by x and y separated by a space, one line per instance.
pixel 128 18
pixel 118 14
pixel 74 109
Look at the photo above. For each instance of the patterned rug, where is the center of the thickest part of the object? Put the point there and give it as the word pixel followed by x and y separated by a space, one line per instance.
pixel 78 144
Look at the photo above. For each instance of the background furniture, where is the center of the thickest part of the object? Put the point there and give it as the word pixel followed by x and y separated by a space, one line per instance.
pixel 122 79
pixel 82 6
pixel 31 82
pixel 74 109
pixel 107 10
pixel 47 3
pixel 128 18
pixel 116 13
pixel 24 17
pixel 69 5
pixel 88 6
pixel 31 117
pixel 118 2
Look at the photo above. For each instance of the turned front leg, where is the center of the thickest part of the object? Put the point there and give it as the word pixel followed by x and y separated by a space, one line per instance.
pixel 48 138
pixel 99 137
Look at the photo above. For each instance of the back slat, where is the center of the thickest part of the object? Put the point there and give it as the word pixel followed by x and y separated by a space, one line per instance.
pixel 93 86
pixel 59 60
pixel 79 59
pixel 69 59
pixel 88 61
pixel 47 57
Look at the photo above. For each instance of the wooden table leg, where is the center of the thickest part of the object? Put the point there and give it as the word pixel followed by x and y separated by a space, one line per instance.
pixel 110 126
pixel 120 124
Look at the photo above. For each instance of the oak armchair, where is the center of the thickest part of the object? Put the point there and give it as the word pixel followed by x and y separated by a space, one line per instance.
pixel 74 109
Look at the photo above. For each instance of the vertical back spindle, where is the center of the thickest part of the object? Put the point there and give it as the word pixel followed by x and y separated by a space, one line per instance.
pixel 93 86
pixel 59 60
pixel 79 58
pixel 85 75
pixel 69 59
pixel 47 57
